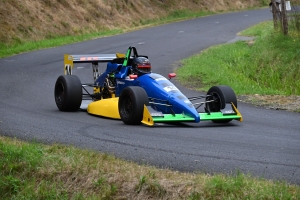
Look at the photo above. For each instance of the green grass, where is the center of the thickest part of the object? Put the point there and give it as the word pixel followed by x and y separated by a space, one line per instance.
pixel 53 41
pixel 36 171
pixel 267 65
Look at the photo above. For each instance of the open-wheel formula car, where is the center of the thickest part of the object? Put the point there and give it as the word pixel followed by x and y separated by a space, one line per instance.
pixel 129 91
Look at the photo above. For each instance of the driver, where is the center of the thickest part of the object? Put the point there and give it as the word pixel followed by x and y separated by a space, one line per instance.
pixel 141 66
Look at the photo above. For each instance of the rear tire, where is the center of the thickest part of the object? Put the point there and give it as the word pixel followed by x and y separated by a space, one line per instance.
pixel 131 104
pixel 68 93
pixel 221 95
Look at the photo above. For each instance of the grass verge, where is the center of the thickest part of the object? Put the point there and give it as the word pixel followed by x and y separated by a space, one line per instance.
pixel 11 49
pixel 36 171
pixel 269 64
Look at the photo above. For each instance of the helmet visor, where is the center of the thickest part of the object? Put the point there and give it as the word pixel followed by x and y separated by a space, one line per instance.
pixel 144 67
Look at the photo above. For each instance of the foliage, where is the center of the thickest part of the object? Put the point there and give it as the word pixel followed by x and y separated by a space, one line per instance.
pixel 36 171
pixel 268 64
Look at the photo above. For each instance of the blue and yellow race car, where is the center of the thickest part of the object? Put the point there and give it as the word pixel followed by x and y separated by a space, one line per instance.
pixel 129 91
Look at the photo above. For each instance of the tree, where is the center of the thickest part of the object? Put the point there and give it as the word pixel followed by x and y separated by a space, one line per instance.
pixel 279 12
pixel 275 11
pixel 284 20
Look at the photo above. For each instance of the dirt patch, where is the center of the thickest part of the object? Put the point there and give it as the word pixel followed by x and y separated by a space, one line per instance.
pixel 276 102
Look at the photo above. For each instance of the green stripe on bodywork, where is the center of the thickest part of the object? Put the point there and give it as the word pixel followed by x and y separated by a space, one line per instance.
pixel 127 57
pixel 217 116
pixel 173 118
pixel 203 117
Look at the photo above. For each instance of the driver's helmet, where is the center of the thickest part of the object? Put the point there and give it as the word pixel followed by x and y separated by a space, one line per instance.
pixel 141 65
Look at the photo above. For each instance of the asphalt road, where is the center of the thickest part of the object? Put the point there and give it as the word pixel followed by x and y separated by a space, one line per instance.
pixel 266 144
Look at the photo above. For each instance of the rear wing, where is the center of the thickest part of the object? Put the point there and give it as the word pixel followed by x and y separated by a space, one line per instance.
pixel 69 60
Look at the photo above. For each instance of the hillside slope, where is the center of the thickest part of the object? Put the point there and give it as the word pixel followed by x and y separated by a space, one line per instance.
pixel 35 20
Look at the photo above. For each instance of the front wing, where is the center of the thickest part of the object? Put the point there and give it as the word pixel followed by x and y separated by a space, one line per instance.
pixel 151 116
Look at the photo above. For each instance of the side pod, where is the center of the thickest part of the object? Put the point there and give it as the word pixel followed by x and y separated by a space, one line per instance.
pixel 105 108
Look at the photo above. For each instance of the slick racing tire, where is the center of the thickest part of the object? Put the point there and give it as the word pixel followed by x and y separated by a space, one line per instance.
pixel 131 104
pixel 220 95
pixel 68 93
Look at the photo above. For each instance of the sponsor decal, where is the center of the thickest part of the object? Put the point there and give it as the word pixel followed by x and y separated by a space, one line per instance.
pixel 161 79
pixel 156 114
pixel 157 77
pixel 229 112
pixel 170 88
pixel 187 101
pixel 88 58
pixel 120 82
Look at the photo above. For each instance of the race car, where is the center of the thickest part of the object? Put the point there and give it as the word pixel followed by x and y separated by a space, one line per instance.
pixel 130 91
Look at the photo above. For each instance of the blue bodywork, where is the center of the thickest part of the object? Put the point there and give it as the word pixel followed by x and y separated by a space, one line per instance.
pixel 163 95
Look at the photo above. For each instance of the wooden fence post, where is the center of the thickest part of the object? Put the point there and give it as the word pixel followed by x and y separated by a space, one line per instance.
pixel 274 12
pixel 284 20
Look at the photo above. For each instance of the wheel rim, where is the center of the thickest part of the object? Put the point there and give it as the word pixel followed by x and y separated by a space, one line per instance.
pixel 127 107
pixel 59 93
pixel 215 105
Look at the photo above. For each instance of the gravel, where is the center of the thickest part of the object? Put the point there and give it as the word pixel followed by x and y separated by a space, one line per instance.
pixel 275 102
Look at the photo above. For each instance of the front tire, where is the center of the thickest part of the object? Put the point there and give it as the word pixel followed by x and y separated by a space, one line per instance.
pixel 68 93
pixel 131 105
pixel 220 96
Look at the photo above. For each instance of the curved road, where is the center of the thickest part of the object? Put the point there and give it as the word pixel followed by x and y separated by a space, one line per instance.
pixel 266 144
